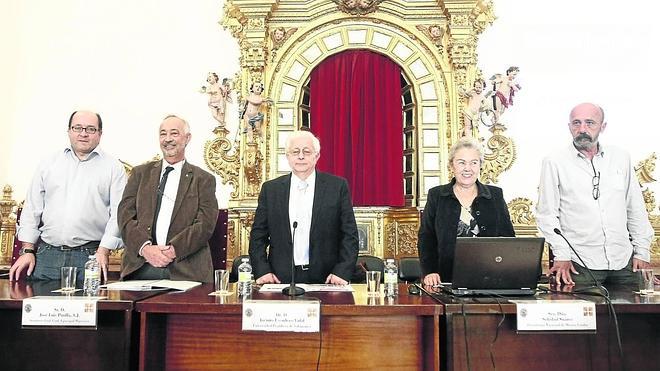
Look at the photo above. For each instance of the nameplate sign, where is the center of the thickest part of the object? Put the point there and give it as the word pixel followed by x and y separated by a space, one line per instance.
pixel 282 315
pixel 45 311
pixel 555 315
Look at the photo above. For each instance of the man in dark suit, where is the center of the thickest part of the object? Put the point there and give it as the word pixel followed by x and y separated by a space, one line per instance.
pixel 314 205
pixel 168 213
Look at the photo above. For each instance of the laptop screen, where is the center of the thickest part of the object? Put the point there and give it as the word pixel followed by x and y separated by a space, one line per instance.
pixel 497 263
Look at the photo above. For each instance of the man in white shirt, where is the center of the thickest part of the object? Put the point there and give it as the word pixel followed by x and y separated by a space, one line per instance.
pixel 70 210
pixel 590 194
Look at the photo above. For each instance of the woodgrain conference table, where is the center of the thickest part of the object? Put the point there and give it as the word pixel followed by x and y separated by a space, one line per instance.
pixel 192 330
pixel 638 319
pixel 112 346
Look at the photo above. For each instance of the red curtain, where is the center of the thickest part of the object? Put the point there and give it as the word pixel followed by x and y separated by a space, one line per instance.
pixel 356 112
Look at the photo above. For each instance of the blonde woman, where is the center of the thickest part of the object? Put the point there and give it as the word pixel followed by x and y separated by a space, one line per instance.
pixel 462 208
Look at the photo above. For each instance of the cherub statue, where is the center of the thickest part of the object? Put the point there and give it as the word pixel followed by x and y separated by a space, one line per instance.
pixel 219 96
pixel 280 35
pixel 473 106
pixel 252 116
pixel 504 88
pixel 435 32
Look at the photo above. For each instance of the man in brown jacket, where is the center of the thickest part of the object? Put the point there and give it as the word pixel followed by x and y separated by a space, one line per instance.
pixel 168 213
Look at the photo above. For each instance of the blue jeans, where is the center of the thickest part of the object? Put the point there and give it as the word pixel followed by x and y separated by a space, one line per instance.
pixel 50 259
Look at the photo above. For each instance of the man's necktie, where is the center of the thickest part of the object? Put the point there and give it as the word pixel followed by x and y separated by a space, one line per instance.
pixel 159 201
pixel 300 248
pixel 300 197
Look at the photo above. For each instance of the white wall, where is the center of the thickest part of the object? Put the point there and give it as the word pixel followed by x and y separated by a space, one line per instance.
pixel 136 61
pixel 570 52
pixel 132 61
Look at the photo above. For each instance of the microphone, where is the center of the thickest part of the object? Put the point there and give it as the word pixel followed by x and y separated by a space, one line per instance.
pixel 292 290
pixel 596 284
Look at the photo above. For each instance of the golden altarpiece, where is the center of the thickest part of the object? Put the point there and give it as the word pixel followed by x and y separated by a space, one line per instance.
pixel 433 42
pixel 281 42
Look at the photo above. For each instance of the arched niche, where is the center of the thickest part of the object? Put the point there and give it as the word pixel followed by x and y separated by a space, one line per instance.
pixel 428 84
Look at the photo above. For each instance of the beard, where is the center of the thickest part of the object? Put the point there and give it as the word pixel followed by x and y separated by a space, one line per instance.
pixel 583 141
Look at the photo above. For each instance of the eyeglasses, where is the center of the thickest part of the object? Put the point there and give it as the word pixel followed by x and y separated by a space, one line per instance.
pixel 305 152
pixel 595 182
pixel 87 129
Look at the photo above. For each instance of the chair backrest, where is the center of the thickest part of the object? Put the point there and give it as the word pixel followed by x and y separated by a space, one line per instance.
pixel 409 269
pixel 367 263
pixel 218 241
pixel 233 274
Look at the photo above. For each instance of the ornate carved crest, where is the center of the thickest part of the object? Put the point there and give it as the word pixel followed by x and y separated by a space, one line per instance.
pixel 358 7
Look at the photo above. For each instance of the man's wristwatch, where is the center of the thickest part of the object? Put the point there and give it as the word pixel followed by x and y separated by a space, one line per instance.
pixel 25 250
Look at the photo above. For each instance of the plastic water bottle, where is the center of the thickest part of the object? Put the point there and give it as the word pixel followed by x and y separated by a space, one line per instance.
pixel 92 276
pixel 245 278
pixel 391 279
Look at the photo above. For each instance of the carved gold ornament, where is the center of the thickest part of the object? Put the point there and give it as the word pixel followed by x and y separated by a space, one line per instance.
pixel 645 168
pixel 252 169
pixel 521 211
pixel 7 225
pixel 358 7
pixel 500 157
pixel 649 200
pixel 219 160
pixel 247 219
pixel 644 171
pixel 407 245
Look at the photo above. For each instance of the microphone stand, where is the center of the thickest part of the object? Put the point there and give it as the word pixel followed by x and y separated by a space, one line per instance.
pixel 593 278
pixel 292 290
pixel 604 293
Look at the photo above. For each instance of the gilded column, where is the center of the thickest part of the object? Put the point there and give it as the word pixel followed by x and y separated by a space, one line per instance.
pixel 467 19
pixel 7 226
pixel 245 162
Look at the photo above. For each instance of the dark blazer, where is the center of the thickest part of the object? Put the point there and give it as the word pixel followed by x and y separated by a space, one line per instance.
pixel 333 245
pixel 193 220
pixel 437 233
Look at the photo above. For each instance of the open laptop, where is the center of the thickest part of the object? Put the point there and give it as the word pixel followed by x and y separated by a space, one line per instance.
pixel 507 266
